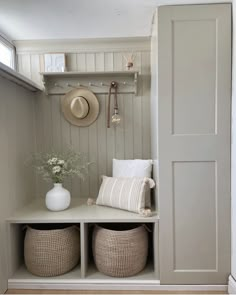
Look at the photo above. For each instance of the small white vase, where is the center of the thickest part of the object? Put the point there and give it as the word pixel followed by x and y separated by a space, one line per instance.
pixel 58 198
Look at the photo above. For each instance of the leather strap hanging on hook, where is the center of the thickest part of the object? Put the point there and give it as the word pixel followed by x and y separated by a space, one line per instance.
pixel 113 85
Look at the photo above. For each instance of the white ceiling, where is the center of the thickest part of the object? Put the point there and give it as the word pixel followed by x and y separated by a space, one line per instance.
pixel 75 19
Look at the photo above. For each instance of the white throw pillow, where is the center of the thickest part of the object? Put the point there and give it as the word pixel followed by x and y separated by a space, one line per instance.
pixel 124 193
pixel 132 168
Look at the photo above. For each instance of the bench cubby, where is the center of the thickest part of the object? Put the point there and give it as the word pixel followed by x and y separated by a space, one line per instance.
pixel 85 275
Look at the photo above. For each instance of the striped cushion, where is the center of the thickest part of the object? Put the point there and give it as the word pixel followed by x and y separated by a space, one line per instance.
pixel 124 193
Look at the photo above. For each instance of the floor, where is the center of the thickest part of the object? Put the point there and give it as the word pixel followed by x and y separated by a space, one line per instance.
pixel 108 292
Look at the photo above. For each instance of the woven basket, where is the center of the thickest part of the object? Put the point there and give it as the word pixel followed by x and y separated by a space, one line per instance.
pixel 120 253
pixel 51 252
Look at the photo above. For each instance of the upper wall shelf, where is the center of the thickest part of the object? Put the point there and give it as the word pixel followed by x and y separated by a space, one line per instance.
pixel 98 82
pixel 18 79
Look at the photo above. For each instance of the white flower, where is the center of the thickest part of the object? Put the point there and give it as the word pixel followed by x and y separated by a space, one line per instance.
pixel 49 162
pixel 56 169
pixel 54 160
pixel 61 162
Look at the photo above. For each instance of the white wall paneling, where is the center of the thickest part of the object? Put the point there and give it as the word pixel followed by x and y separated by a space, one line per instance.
pixel 130 139
pixel 98 143
pixel 17 130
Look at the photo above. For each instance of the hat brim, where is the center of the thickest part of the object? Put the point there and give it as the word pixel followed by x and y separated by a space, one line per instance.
pixel 92 102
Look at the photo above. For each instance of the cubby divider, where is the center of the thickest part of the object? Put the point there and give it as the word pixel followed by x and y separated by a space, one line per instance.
pixel 84 248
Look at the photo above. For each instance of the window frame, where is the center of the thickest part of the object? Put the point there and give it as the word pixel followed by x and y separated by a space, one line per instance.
pixel 10 45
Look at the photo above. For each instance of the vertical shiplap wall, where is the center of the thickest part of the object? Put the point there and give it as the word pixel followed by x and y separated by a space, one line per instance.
pixel 17 142
pixel 131 139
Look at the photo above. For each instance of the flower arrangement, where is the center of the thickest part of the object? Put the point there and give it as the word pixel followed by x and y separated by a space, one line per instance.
pixel 57 167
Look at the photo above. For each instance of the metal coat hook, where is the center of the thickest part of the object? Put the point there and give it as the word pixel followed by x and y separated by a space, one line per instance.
pixel 81 85
pixel 57 85
pixel 128 84
pixel 103 84
pixel 70 85
pixel 91 84
pixel 75 86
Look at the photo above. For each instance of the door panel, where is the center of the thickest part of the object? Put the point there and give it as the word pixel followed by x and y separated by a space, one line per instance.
pixel 190 66
pixel 194 97
pixel 199 199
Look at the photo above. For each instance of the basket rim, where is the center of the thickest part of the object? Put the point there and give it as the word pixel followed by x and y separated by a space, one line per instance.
pixel 120 231
pixel 28 227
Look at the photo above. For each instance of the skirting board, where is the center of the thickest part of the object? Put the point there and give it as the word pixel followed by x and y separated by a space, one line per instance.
pixel 231 285
pixel 118 287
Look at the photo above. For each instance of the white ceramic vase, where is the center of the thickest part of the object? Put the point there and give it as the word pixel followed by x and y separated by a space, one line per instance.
pixel 58 198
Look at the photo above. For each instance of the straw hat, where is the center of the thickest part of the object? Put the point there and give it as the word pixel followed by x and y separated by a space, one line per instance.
pixel 80 107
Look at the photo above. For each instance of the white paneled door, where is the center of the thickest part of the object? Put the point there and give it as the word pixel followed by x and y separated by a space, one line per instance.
pixel 194 97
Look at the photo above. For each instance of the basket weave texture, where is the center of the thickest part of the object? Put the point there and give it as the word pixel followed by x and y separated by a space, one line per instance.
pixel 120 253
pixel 51 252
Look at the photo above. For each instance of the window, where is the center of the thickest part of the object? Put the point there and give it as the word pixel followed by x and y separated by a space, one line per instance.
pixel 7 53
